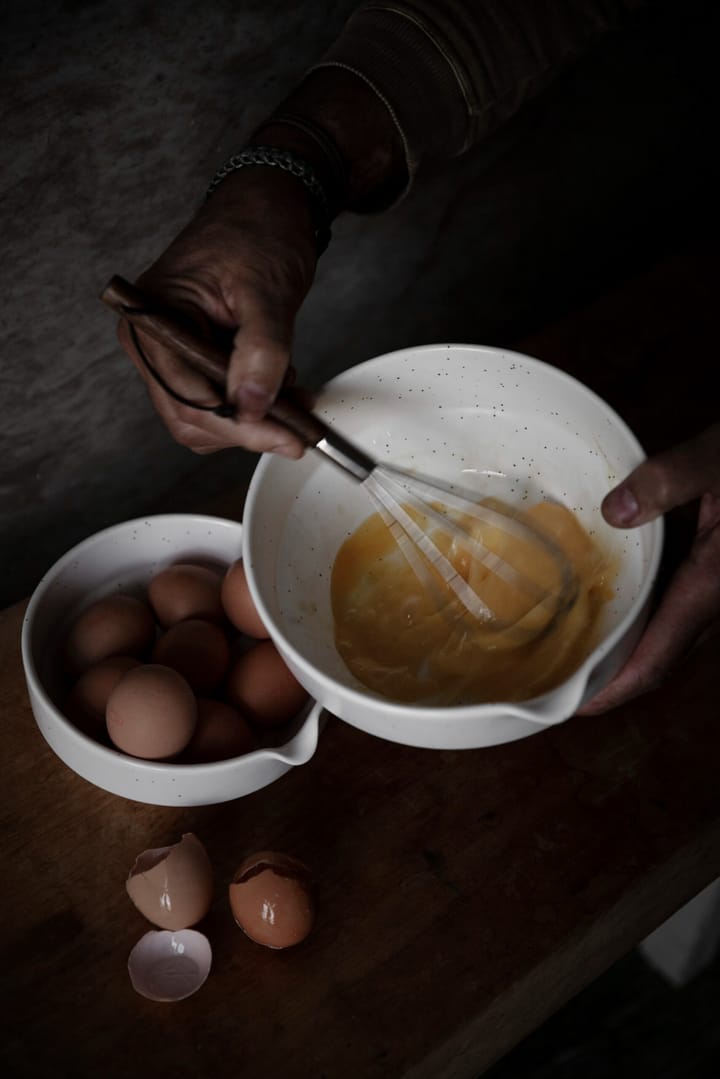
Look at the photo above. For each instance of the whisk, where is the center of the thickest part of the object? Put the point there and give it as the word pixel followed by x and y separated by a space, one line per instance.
pixel 485 553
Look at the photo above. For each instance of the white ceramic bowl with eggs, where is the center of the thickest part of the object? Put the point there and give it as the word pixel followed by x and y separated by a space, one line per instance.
pixel 124 558
pixel 495 421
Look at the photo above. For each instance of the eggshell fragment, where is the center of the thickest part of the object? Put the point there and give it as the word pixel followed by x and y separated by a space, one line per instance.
pixel 271 899
pixel 151 713
pixel 197 649
pixel 86 703
pixel 263 687
pixel 238 603
pixel 113 626
pixel 166 966
pixel 185 590
pixel 221 733
pixel 172 886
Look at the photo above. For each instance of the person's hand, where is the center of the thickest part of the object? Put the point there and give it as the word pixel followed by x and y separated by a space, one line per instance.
pixel 689 609
pixel 243 266
pixel 239 272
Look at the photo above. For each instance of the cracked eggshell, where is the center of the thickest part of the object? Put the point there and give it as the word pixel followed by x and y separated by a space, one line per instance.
pixel 271 899
pixel 172 886
pixel 166 966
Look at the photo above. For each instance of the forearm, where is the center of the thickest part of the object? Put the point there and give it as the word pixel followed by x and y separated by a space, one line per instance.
pixel 412 80
pixel 357 121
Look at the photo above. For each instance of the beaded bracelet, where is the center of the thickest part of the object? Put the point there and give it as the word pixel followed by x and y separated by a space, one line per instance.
pixel 298 167
pixel 335 171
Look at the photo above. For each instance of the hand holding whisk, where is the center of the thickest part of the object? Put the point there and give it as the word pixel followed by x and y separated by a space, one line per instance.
pixel 479 558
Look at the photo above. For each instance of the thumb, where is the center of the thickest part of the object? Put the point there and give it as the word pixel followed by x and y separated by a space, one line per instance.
pixel 259 360
pixel 667 480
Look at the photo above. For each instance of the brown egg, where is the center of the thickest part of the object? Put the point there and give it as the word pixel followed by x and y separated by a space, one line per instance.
pixel 271 899
pixel 184 591
pixel 196 649
pixel 151 713
pixel 86 703
pixel 117 625
pixel 238 603
pixel 262 686
pixel 172 886
pixel 221 733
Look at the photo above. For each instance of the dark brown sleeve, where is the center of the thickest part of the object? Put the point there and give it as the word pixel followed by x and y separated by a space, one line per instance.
pixel 451 71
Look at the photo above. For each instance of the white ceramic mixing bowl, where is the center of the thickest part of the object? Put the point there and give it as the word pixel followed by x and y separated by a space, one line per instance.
pixel 491 420
pixel 123 558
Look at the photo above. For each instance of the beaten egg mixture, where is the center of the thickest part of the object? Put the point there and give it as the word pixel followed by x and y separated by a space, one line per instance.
pixel 414 643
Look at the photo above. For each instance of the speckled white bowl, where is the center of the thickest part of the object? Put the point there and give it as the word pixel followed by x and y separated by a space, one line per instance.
pixel 492 420
pixel 123 558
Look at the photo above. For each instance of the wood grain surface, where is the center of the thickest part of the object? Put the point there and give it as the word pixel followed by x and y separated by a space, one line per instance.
pixel 462 896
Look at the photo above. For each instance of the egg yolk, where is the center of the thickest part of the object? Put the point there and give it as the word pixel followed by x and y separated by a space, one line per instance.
pixel 414 640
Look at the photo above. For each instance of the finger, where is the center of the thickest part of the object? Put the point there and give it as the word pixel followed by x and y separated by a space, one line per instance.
pixel 689 609
pixel 260 357
pixel 199 430
pixel 188 426
pixel 666 480
pixel 158 364
pixel 257 371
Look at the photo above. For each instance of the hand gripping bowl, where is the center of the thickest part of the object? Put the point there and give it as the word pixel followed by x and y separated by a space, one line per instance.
pixel 496 421
pixel 123 558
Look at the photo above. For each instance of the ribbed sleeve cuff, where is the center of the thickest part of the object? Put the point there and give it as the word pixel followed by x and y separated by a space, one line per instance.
pixel 411 76
pixel 450 71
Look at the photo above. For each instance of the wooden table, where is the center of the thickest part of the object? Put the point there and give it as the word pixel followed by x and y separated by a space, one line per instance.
pixel 463 896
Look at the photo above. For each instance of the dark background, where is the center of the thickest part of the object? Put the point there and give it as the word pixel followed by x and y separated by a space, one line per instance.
pixel 115 116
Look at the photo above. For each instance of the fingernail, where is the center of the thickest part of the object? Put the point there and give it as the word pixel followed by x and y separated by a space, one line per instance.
pixel 621 506
pixel 253 398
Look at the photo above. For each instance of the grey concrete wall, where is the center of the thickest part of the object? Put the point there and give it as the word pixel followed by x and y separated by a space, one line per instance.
pixel 116 115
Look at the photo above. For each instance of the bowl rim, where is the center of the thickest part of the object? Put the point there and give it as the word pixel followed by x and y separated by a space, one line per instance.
pixel 573 688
